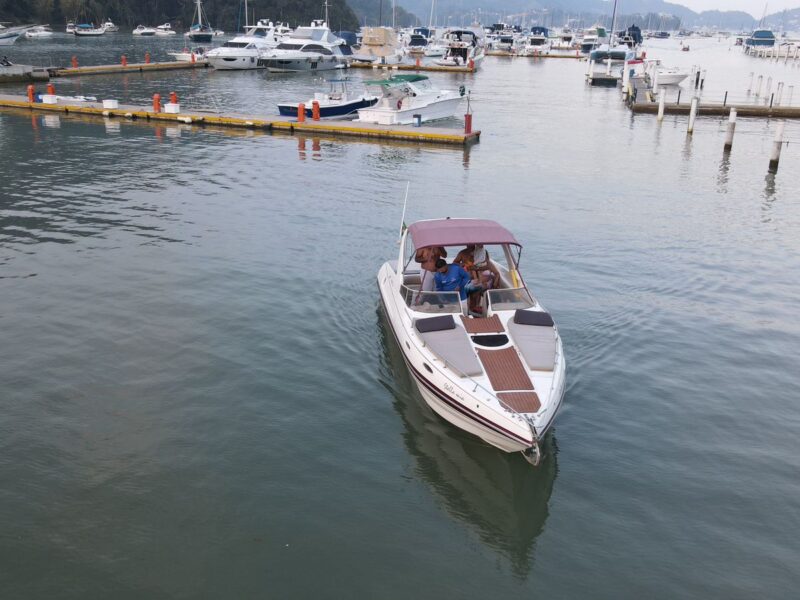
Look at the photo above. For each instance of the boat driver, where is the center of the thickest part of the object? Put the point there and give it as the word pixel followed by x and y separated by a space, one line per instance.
pixel 453 278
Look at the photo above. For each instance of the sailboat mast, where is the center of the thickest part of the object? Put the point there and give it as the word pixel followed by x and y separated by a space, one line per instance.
pixel 246 17
pixel 613 26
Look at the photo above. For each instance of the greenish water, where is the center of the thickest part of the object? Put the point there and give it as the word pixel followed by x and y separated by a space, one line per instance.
pixel 199 397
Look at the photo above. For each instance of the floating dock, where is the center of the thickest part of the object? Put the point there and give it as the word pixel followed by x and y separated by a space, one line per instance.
pixel 126 68
pixel 406 133
pixel 720 110
pixel 508 54
pixel 407 67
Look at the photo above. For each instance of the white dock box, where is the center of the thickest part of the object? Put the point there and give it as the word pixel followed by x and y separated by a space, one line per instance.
pixel 110 104
pixel 172 109
pixel 49 99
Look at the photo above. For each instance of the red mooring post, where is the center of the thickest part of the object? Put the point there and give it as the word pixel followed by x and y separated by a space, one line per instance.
pixel 468 123
pixel 147 58
pixel 74 62
pixel 51 89
pixel 315 110
pixel 156 102
pixel 124 61
pixel 31 93
pixel 173 97
pixel 301 113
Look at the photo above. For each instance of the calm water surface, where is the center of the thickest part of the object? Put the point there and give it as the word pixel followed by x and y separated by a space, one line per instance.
pixel 200 398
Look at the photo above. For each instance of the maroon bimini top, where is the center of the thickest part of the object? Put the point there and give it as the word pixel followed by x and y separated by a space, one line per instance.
pixel 455 232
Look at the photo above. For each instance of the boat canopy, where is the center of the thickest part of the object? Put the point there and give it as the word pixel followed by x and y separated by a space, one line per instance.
pixel 397 79
pixel 456 232
pixel 537 30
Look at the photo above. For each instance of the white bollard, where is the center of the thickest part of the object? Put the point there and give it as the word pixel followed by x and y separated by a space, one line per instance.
pixel 591 69
pixel 692 115
pixel 731 129
pixel 758 85
pixel 779 94
pixel 775 156
pixel 750 85
pixel 662 100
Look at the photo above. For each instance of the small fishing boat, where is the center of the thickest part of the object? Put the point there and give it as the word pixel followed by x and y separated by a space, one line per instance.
pixel 499 376
pixel 406 98
pixel 144 31
pixel 337 103
pixel 190 55
pixel 110 27
pixel 39 32
pixel 88 30
pixel 165 30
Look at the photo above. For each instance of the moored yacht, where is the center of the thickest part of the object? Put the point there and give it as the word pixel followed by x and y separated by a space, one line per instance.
pixel 404 98
pixel 88 30
pixel 464 48
pixel 40 31
pixel 337 103
pixel 165 30
pixel 243 51
pixel 499 376
pixel 536 43
pixel 312 48
pixel 760 38
pixel 144 31
pixel 201 31
pixel 109 26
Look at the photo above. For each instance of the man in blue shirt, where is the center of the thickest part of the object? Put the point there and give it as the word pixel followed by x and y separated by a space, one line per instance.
pixel 453 278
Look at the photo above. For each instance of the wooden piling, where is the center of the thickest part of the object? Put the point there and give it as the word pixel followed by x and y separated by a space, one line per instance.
pixel 731 129
pixel 692 115
pixel 758 85
pixel 777 143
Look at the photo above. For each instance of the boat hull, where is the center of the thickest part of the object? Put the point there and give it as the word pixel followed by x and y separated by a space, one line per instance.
pixel 234 63
pixel 298 65
pixel 437 110
pixel 201 38
pixel 7 39
pixel 338 111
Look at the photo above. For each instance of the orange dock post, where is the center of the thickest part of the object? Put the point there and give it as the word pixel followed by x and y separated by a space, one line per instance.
pixel 31 93
pixel 315 110
pixel 468 123
pixel 301 113
pixel 173 97
pixel 51 89
pixel 156 102
pixel 147 58
pixel 124 61
pixel 74 62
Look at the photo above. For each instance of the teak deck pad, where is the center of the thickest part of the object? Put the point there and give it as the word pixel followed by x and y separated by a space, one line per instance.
pixel 483 325
pixel 505 370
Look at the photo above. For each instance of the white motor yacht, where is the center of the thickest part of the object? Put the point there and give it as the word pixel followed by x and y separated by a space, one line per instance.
pixel 165 30
pixel 110 27
pixel 144 31
pixel 404 98
pixel 38 32
pixel 70 27
pixel 243 51
pixel 500 376
pixel 186 55
pixel 464 48
pixel 313 48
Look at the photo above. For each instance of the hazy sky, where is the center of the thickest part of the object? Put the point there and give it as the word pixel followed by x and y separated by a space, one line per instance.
pixel 754 7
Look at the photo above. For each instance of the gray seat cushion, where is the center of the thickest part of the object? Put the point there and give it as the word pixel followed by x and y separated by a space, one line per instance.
pixel 454 348
pixel 536 343
pixel 435 323
pixel 533 317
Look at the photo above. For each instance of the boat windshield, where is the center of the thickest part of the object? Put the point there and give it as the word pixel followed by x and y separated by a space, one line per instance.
pixel 510 299
pixel 235 45
pixel 431 302
pixel 288 46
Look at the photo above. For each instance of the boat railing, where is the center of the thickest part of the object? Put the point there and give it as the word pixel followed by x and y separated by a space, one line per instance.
pixel 430 302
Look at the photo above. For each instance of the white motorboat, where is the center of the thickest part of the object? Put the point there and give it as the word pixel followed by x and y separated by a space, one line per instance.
pixel 434 50
pixel 243 51
pixel 592 38
pixel 70 27
pixel 313 48
pixel 144 31
pixel 110 27
pixel 464 48
pixel 667 75
pixel 186 55
pixel 500 376
pixel 165 30
pixel 337 103
pixel 87 30
pixel 39 32
pixel 404 98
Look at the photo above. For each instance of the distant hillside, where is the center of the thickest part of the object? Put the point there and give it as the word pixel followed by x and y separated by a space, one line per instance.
pixel 371 11
pixel 225 14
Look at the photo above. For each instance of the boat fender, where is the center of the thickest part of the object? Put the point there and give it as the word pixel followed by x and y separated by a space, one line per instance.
pixel 399 104
pixel 462 90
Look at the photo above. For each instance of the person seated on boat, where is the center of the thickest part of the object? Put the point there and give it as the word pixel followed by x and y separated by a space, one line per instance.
pixel 474 259
pixel 427 258
pixel 453 278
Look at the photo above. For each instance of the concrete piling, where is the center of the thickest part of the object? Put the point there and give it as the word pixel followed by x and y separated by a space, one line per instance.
pixel 758 85
pixel 662 100
pixel 777 143
pixel 779 94
pixel 731 129
pixel 750 85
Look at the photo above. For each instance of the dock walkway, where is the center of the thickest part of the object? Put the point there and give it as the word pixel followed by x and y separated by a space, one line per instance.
pixel 272 123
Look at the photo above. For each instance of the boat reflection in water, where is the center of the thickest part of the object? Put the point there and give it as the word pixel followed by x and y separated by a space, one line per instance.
pixel 498 496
